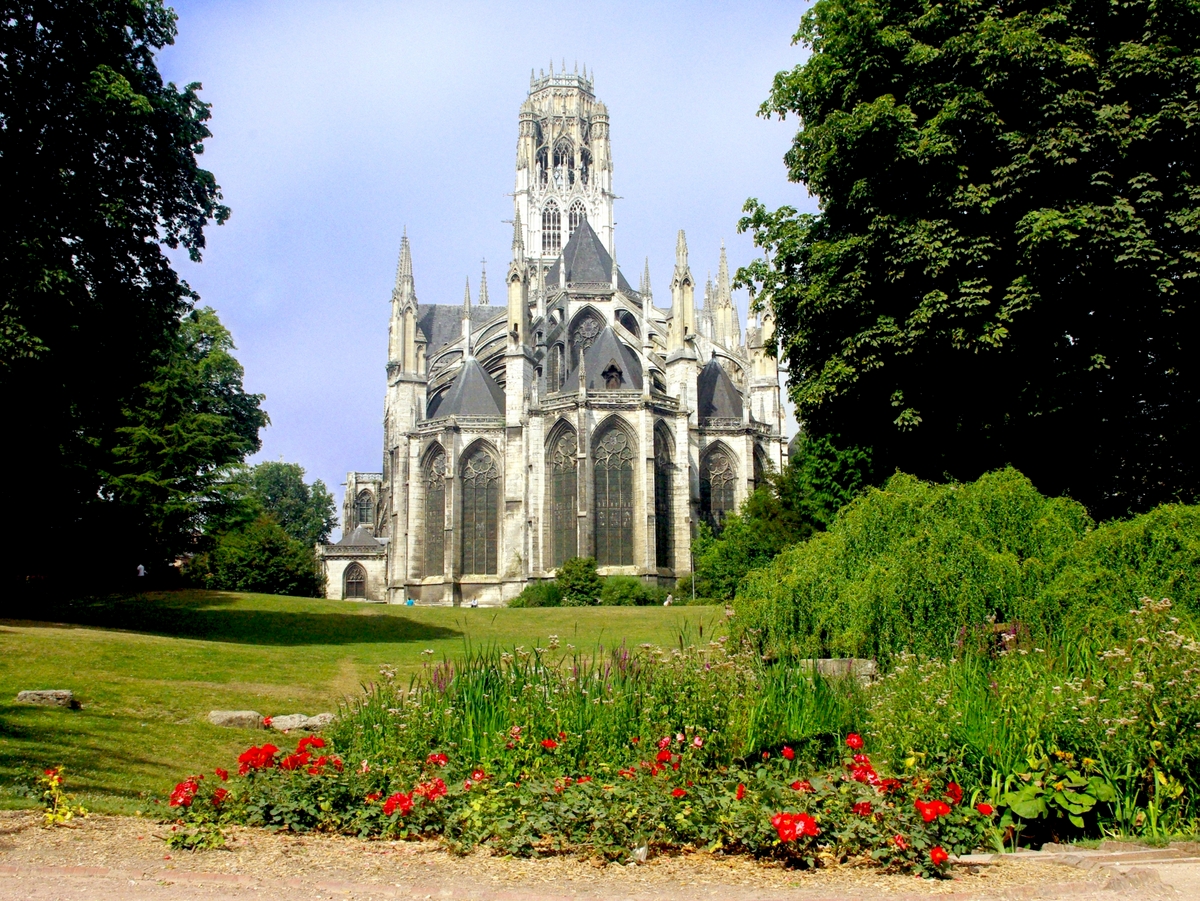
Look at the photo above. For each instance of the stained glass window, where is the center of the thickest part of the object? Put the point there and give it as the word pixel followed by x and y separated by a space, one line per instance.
pixel 480 513
pixel 614 498
pixel 564 498
pixel 435 514
pixel 364 505
pixel 551 228
pixel 356 582
pixel 718 476
pixel 664 544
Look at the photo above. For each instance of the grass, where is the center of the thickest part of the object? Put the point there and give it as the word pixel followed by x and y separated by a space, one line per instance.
pixel 148 668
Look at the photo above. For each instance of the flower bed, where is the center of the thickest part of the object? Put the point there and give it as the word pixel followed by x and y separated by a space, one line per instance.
pixel 669 799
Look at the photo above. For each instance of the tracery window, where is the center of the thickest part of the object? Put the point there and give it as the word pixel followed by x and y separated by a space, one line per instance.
pixel 551 228
pixel 563 477
pixel 664 531
pixel 614 497
pixel 364 505
pixel 564 164
pixel 587 327
pixel 355 582
pixel 585 166
pixel 554 372
pixel 575 216
pixel 435 514
pixel 480 513
pixel 718 477
pixel 542 165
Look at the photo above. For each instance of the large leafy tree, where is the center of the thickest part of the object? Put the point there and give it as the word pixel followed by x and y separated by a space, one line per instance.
pixel 306 512
pixel 1004 265
pixel 98 170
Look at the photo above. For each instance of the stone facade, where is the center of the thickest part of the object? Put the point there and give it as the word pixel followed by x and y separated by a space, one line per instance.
pixel 579 419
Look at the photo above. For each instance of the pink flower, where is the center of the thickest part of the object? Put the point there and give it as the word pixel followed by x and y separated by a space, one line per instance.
pixel 697 742
pixel 664 743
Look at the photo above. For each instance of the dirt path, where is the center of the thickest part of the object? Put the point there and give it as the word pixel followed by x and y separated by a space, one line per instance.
pixel 111 858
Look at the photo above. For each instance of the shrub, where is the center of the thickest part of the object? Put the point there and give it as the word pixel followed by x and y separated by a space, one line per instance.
pixel 907 566
pixel 538 594
pixel 579 583
pixel 259 557
pixel 628 591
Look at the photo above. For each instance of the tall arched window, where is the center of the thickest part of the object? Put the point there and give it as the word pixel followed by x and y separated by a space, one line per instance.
pixel 555 373
pixel 480 512
pixel 614 497
pixel 355 579
pixel 435 514
pixel 551 228
pixel 718 477
pixel 576 215
pixel 585 166
pixel 564 164
pixel 664 525
pixel 562 476
pixel 543 167
pixel 583 333
pixel 364 505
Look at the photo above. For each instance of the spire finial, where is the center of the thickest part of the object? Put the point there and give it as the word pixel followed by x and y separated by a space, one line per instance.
pixel 681 249
pixel 518 244
pixel 466 310
pixel 404 274
pixel 483 295
pixel 646 290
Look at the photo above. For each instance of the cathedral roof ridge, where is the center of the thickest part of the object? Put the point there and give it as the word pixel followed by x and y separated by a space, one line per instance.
pixel 586 261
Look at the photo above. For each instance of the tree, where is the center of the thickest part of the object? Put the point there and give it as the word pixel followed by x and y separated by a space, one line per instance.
pixel 193 421
pixel 98 170
pixel 1004 265
pixel 579 583
pixel 305 512
pixel 260 557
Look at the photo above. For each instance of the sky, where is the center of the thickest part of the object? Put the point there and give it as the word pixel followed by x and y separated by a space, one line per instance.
pixel 338 125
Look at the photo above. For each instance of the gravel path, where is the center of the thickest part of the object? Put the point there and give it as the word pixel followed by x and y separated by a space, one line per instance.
pixel 111 858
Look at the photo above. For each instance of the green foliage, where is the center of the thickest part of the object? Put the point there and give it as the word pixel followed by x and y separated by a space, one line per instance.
pixel 193 422
pixel 99 170
pixel 1003 266
pixel 629 591
pixel 579 583
pixel 260 557
pixel 789 507
pixel 538 594
pixel 910 566
pixel 306 512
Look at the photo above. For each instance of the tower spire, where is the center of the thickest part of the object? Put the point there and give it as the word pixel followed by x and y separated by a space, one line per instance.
pixel 405 287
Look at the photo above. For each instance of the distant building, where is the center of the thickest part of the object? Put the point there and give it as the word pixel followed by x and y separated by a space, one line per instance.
pixel 578 419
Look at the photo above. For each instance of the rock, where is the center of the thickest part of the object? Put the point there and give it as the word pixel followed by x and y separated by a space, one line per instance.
pixel 51 697
pixel 289 722
pixel 319 722
pixel 237 719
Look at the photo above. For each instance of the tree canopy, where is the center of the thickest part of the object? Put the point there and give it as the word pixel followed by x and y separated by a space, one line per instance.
pixel 98 170
pixel 1004 265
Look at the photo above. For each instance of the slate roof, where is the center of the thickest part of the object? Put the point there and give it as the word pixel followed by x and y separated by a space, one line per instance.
pixel 605 350
pixel 718 397
pixel 472 393
pixel 360 537
pixel 441 323
pixel 587 262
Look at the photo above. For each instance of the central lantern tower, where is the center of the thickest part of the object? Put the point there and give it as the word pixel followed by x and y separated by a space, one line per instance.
pixel 564 164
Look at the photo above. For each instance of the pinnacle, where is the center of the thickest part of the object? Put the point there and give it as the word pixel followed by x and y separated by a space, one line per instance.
pixel 518 244
pixel 483 292
pixel 467 298
pixel 681 249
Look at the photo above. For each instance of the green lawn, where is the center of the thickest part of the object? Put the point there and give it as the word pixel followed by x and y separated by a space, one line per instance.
pixel 148 669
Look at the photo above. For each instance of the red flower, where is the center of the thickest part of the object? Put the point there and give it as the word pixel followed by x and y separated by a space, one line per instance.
pixel 257 759
pixel 185 792
pixel 766 755
pixel 295 761
pixel 854 740
pixel 788 753
pixel 954 793
pixel 986 809
pixel 888 785
pixel 678 793
pixel 663 756
pixel 562 736
pixel 219 796
pixel 900 843
pixel 863 808
pixel 310 741
pixel 862 759
pixel 664 743
pixel 431 790
pixel 373 796
pixel 802 785
pixel 337 762
pixel 402 802
pixel 635 740
pixel 628 773
pixel 549 744
pixel 938 855
pixel 791 825
pixel 583 779
pixel 266 721
pixel 478 775
pixel 437 759
pixel 221 774
pixel 741 791
pixel 931 810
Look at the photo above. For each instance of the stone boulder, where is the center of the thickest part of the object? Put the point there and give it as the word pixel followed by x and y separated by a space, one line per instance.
pixel 236 719
pixel 289 722
pixel 319 722
pixel 49 697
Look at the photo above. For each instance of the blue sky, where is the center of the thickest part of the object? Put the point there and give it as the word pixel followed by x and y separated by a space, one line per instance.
pixel 336 125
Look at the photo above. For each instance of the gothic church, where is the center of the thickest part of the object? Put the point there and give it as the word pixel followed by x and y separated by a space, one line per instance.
pixel 577 419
